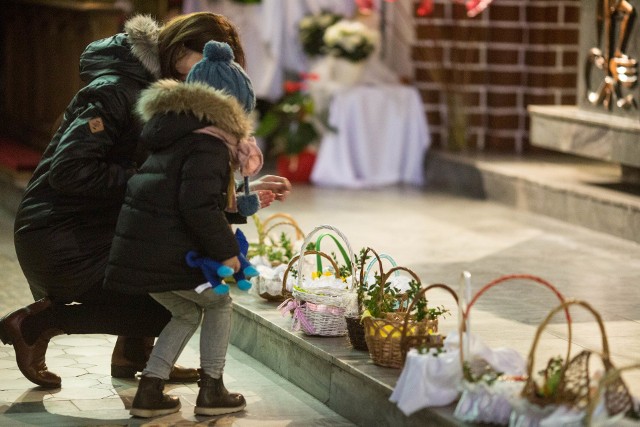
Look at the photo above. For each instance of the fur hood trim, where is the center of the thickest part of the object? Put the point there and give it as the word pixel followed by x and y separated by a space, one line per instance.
pixel 143 31
pixel 209 105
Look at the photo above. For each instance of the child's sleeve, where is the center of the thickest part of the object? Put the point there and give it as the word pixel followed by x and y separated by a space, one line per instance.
pixel 202 198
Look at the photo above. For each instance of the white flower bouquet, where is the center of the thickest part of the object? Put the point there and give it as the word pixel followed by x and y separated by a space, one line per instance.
pixel 350 40
pixel 311 31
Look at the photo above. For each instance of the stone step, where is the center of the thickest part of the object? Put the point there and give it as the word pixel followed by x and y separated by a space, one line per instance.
pixel 328 368
pixel 579 191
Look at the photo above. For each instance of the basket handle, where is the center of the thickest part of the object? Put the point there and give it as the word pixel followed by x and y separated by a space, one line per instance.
pixel 340 248
pixel 364 272
pixel 611 381
pixel 379 259
pixel 530 384
pixel 463 325
pixel 307 240
pixel 394 270
pixel 421 294
pixel 296 258
pixel 298 230
pixel 266 227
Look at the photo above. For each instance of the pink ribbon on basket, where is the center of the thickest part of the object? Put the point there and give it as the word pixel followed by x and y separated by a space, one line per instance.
pixel 322 308
pixel 292 306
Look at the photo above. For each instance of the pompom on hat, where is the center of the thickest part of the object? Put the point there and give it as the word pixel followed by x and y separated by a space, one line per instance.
pixel 218 69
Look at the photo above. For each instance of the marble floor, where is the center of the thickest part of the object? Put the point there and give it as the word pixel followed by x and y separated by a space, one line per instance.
pixel 437 235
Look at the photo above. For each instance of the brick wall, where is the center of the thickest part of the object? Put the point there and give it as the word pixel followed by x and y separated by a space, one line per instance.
pixel 477 75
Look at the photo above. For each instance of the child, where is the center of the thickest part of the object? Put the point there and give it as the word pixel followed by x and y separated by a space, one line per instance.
pixel 198 133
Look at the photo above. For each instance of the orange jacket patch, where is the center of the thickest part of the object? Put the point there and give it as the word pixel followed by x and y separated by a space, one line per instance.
pixel 96 125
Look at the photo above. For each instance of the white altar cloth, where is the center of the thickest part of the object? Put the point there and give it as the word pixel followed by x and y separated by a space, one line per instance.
pixel 381 139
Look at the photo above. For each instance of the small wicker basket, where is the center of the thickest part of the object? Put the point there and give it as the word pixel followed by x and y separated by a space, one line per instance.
pixel 272 289
pixel 355 325
pixel 389 338
pixel 321 311
pixel 574 388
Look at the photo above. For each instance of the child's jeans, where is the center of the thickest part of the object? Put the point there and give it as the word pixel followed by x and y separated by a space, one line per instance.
pixel 187 309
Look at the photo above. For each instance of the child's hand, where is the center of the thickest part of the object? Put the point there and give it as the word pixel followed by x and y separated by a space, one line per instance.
pixel 278 185
pixel 233 263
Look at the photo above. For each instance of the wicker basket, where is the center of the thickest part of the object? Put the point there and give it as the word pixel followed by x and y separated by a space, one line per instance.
pixel 272 289
pixel 574 387
pixel 389 338
pixel 321 311
pixel 481 402
pixel 355 326
pixel 612 385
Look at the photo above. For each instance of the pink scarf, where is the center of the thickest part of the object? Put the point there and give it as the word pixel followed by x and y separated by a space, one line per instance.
pixel 246 157
pixel 245 153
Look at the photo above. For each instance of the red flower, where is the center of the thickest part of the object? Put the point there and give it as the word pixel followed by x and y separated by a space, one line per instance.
pixel 425 8
pixel 292 87
pixel 474 7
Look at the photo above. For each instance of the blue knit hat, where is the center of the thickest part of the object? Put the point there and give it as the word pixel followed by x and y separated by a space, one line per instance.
pixel 218 69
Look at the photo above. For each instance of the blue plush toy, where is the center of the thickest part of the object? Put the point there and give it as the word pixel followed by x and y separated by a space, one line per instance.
pixel 216 272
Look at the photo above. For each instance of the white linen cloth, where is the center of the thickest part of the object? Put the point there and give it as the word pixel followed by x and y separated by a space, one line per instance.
pixel 381 138
pixel 269 35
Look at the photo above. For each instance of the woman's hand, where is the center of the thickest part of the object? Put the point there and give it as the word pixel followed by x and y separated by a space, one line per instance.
pixel 278 186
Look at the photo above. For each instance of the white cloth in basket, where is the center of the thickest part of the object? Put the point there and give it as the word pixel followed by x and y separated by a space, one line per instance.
pixel 427 380
pixel 484 403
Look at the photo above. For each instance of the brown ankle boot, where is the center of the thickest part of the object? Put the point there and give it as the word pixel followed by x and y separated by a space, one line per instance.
pixel 150 400
pixel 130 356
pixel 214 399
pixel 30 358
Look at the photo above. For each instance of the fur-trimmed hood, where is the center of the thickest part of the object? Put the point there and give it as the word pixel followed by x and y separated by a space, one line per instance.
pixel 143 35
pixel 171 109
pixel 123 53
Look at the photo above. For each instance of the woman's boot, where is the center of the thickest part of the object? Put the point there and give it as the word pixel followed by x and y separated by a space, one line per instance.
pixel 30 357
pixel 214 399
pixel 150 400
pixel 130 355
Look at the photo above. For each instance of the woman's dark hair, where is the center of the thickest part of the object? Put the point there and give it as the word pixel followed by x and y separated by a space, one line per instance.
pixel 193 31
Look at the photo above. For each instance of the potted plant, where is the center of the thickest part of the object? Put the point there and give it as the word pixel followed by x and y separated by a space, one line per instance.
pixel 293 129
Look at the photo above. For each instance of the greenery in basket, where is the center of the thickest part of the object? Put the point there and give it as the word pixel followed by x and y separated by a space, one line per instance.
pixel 422 311
pixel 380 299
pixel 378 305
pixel 361 260
pixel 551 377
pixel 488 376
pixel 277 252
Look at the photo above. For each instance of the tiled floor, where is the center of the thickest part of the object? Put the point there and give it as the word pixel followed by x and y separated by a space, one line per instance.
pixel 436 235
